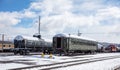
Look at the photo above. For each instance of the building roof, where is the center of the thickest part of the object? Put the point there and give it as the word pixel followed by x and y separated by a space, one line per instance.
pixel 74 36
pixel 6 42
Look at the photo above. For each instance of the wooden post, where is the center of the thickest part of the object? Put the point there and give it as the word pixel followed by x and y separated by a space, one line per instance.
pixel 2 41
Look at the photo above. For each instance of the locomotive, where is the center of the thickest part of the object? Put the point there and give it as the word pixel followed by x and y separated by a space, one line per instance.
pixel 69 44
pixel 23 45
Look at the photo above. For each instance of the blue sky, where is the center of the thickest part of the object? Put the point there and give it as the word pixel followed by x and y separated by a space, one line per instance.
pixel 14 5
pixel 61 16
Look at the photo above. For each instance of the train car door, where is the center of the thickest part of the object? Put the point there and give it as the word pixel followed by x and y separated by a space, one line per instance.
pixel 59 43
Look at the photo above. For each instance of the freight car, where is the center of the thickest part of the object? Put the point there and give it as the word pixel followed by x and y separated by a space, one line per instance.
pixel 69 44
pixel 23 45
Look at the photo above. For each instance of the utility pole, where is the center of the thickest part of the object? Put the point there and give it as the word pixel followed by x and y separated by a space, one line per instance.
pixel 38 34
pixel 2 41
pixel 40 38
pixel 39 29
pixel 39 26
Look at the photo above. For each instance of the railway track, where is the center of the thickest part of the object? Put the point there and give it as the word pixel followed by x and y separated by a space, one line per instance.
pixel 117 68
pixel 26 62
pixel 12 54
pixel 6 54
pixel 67 63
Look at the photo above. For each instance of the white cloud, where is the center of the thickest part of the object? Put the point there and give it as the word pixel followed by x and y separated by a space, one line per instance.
pixel 9 18
pixel 28 14
pixel 109 12
pixel 48 7
pixel 91 5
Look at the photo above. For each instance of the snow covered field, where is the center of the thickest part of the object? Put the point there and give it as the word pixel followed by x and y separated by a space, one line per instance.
pixel 17 61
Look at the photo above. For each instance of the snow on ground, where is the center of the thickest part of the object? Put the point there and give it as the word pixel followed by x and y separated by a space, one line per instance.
pixel 23 61
pixel 7 66
pixel 100 65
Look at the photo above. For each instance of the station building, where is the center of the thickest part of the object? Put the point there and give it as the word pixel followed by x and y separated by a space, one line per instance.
pixel 6 46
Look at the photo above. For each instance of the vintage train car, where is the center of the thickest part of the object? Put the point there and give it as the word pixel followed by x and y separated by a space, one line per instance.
pixel 6 46
pixel 69 44
pixel 24 45
pixel 111 48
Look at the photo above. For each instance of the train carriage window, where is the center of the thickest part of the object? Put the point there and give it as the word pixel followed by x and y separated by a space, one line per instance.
pixel 65 42
pixel 3 45
pixel 9 45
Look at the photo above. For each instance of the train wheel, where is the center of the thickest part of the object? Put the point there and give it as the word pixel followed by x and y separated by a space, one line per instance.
pixel 26 52
pixel 21 52
pixel 15 53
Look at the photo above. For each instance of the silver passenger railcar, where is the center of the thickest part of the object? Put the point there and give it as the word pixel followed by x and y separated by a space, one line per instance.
pixel 67 44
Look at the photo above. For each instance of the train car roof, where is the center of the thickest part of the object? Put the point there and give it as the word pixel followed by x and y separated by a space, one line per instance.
pixel 74 36
pixel 20 37
pixel 48 40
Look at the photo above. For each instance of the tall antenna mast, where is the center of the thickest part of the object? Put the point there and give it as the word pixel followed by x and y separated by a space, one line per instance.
pixel 38 34
pixel 39 26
